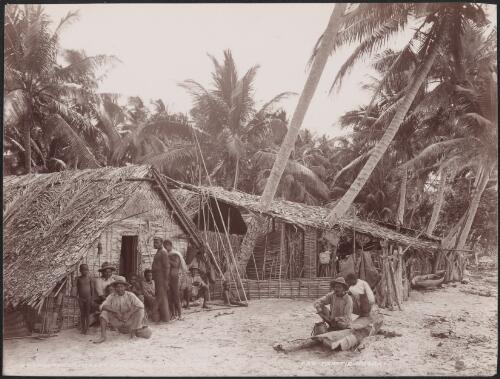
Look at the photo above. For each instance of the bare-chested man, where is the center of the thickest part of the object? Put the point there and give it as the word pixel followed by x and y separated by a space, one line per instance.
pixel 161 274
pixel 177 266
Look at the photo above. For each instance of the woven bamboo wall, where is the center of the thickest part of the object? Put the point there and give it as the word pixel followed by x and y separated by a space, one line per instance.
pixel 273 288
pixel 310 252
pixel 265 262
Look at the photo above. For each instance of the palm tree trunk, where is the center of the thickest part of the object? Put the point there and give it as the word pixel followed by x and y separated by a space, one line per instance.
pixel 402 198
pixel 288 144
pixel 346 201
pixel 471 213
pixel 438 203
pixel 27 142
pixel 306 96
pixel 236 173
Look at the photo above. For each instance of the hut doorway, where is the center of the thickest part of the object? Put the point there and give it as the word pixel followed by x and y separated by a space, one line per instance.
pixel 129 258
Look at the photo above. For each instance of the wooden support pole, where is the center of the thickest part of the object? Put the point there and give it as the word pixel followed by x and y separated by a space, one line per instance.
pixel 393 281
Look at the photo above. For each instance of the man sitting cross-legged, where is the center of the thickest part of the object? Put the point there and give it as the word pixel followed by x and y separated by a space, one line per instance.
pixel 338 316
pixel 121 309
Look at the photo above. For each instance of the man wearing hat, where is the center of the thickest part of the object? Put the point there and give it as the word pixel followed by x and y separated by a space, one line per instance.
pixel 101 284
pixel 122 309
pixel 338 316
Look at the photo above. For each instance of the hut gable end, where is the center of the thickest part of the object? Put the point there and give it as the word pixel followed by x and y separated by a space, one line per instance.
pixel 52 221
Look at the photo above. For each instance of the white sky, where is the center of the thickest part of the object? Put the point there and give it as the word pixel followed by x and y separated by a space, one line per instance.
pixel 161 45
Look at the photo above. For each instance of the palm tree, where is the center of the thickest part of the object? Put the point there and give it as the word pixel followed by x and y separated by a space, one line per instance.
pixel 227 113
pixel 471 147
pixel 443 26
pixel 288 144
pixel 139 135
pixel 40 95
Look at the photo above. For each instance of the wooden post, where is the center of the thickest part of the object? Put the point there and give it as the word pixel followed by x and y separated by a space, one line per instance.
pixel 386 275
pixel 282 247
pixel 393 281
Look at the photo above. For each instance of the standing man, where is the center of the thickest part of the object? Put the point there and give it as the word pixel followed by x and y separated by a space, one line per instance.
pixel 101 284
pixel 121 309
pixel 177 266
pixel 338 317
pixel 161 275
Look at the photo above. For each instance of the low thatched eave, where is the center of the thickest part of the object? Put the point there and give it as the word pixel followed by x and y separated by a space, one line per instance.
pixel 296 213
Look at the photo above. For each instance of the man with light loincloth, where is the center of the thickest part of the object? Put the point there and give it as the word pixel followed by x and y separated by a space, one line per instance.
pixel 177 267
pixel 122 309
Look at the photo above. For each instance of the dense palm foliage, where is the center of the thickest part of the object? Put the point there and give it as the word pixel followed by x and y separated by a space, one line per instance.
pixel 50 94
pixel 243 140
pixel 437 171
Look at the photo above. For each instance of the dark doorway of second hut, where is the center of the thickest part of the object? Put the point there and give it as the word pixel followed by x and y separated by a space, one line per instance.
pixel 129 260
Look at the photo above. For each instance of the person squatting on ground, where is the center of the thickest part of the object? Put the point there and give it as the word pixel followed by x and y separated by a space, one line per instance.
pixel 85 293
pixel 122 309
pixel 362 295
pixel 150 303
pixel 161 276
pixel 199 286
pixel 177 266
pixel 338 317
pixel 228 297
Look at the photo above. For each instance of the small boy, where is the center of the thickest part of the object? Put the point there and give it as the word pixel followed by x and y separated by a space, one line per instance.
pixel 84 292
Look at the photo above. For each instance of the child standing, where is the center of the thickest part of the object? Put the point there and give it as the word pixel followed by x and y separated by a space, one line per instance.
pixel 84 292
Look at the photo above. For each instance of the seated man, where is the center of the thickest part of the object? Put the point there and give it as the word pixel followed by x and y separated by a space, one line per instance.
pixel 362 295
pixel 148 288
pixel 101 284
pixel 228 297
pixel 121 309
pixel 199 287
pixel 136 287
pixel 338 317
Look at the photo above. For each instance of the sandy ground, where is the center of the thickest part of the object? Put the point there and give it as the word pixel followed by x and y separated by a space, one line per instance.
pixel 238 341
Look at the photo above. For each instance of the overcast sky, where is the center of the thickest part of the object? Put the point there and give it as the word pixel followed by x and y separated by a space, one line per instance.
pixel 161 45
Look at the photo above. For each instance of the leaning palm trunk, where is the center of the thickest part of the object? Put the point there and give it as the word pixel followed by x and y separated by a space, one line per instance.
pixel 438 203
pixel 402 198
pixel 346 201
pixel 256 226
pixel 471 213
pixel 457 236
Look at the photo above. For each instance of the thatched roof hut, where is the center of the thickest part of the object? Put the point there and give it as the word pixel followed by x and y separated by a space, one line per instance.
pixel 51 221
pixel 298 214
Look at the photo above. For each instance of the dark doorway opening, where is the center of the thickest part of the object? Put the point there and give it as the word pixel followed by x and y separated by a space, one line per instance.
pixel 129 258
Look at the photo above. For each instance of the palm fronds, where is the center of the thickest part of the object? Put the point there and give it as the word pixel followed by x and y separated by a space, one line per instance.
pixel 265 159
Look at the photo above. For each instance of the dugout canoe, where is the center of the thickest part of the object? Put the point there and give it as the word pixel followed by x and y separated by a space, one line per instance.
pixel 428 281
pixel 346 339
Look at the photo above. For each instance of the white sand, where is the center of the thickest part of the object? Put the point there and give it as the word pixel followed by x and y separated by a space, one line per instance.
pixel 241 343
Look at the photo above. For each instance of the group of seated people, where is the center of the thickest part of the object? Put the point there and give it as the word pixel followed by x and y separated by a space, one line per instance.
pixel 347 297
pixel 124 306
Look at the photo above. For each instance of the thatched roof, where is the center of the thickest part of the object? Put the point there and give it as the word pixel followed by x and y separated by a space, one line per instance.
pixel 51 221
pixel 295 213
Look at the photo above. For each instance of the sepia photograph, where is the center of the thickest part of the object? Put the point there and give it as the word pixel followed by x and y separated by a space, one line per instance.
pixel 250 189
